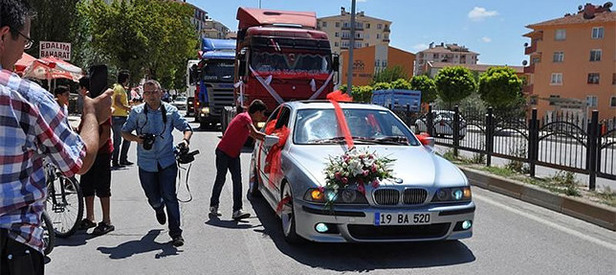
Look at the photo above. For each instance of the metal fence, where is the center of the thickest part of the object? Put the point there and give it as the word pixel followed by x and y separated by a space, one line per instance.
pixel 564 141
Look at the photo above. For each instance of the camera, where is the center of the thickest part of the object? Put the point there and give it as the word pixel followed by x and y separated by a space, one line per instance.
pixel 148 141
pixel 183 156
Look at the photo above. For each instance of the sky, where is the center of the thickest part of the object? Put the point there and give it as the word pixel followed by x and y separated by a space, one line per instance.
pixel 491 28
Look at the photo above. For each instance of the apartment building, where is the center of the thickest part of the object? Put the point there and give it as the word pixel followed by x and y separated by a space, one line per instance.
pixel 369 60
pixel 444 53
pixel 572 62
pixel 215 29
pixel 369 31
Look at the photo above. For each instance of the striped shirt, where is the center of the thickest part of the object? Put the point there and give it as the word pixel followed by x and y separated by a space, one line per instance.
pixel 32 127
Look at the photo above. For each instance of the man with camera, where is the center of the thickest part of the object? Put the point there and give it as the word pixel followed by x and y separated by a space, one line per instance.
pixel 153 123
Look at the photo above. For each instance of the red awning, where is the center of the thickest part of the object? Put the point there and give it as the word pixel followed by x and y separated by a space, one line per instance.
pixel 257 17
pixel 24 62
pixel 52 68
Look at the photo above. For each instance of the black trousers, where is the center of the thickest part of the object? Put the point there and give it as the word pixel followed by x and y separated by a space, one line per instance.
pixel 17 258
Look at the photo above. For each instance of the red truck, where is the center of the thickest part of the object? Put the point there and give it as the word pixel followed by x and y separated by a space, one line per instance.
pixel 280 56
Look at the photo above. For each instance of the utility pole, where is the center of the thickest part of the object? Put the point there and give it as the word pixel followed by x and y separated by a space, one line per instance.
pixel 351 47
pixel 259 3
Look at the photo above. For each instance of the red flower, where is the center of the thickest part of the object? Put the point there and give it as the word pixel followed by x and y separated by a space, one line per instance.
pixel 345 180
pixel 375 183
pixel 337 175
pixel 360 188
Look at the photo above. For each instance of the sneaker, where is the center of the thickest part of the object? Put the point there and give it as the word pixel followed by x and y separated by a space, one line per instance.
pixel 160 216
pixel 115 166
pixel 86 224
pixel 177 241
pixel 214 211
pixel 126 163
pixel 240 214
pixel 102 229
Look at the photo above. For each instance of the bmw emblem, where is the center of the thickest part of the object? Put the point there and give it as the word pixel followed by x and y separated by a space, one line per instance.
pixel 399 181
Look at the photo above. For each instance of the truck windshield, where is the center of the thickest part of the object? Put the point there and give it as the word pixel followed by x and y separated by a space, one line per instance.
pixel 311 63
pixel 218 71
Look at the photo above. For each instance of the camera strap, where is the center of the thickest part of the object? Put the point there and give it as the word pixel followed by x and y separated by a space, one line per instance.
pixel 163 111
pixel 190 197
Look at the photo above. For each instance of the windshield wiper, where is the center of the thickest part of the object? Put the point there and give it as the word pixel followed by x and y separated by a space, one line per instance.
pixel 392 140
pixel 338 140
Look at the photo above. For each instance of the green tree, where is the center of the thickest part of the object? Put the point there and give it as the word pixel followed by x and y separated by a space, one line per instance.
pixel 500 87
pixel 426 86
pixel 381 86
pixel 53 22
pixel 401 83
pixel 151 38
pixel 454 84
pixel 389 75
pixel 362 93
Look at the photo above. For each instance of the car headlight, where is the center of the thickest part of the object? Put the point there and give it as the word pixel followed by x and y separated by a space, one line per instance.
pixel 205 110
pixel 344 196
pixel 452 194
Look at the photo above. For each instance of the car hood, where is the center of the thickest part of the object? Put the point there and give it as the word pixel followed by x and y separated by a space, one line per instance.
pixel 414 165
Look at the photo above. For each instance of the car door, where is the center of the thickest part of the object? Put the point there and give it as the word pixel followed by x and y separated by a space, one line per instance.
pixel 271 172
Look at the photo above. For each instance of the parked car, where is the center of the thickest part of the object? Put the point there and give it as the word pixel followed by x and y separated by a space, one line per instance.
pixel 443 124
pixel 180 102
pixel 429 198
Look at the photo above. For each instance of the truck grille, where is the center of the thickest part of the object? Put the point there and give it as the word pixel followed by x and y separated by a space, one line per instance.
pixel 415 196
pixel 387 196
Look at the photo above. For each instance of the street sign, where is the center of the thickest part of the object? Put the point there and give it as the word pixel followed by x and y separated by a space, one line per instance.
pixel 59 50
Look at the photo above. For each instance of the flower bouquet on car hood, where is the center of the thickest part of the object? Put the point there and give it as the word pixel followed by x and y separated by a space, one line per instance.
pixel 355 169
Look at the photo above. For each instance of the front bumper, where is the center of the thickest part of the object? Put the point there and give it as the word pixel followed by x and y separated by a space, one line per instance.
pixel 356 223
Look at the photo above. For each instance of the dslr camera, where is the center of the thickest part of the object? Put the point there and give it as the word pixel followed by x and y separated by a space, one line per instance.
pixel 148 141
pixel 182 155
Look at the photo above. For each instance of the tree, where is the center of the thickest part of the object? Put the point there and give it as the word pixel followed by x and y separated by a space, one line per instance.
pixel 426 86
pixel 401 83
pixel 500 87
pixel 454 84
pixel 381 86
pixel 389 75
pixel 362 93
pixel 53 22
pixel 152 38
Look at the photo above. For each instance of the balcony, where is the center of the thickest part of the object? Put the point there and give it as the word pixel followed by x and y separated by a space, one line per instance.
pixel 530 49
pixel 386 29
pixel 528 89
pixel 386 40
pixel 529 69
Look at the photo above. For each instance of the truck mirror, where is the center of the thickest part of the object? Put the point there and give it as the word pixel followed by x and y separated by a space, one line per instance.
pixel 193 74
pixel 335 62
pixel 242 68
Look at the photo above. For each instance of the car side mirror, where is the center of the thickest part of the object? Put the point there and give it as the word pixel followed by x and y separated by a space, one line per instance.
pixel 270 140
pixel 426 140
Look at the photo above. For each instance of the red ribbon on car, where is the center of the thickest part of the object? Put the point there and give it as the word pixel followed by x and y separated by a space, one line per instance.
pixel 335 97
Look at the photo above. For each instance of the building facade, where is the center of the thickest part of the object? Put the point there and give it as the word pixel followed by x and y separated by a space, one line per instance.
pixel 444 53
pixel 369 60
pixel 369 31
pixel 572 62
pixel 215 29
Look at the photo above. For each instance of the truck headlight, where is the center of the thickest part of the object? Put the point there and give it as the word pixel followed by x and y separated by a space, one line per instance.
pixel 205 110
pixel 452 194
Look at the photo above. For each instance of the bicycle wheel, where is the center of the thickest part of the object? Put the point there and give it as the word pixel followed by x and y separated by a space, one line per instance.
pixel 66 202
pixel 49 236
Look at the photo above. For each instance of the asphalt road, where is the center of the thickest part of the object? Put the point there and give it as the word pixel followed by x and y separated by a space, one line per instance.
pixel 510 237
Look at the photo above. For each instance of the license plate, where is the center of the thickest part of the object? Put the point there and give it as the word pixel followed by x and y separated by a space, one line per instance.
pixel 402 218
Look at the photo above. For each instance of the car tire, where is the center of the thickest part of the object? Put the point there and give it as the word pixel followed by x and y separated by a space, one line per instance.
pixel 287 218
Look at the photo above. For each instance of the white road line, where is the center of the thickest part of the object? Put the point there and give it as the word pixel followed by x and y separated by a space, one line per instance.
pixel 548 223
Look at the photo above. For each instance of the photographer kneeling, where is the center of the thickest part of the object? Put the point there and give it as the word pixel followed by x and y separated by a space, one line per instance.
pixel 153 122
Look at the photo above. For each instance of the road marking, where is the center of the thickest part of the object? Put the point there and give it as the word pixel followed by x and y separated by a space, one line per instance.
pixel 548 223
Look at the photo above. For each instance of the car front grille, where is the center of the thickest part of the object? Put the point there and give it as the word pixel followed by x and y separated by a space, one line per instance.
pixel 415 196
pixel 408 232
pixel 387 196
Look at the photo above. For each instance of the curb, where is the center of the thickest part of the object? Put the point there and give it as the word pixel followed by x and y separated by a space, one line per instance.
pixel 593 213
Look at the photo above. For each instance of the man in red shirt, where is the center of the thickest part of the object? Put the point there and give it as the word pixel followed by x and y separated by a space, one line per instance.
pixel 228 156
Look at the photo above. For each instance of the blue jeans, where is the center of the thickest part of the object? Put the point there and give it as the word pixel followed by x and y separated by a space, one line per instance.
pixel 224 162
pixel 116 124
pixel 159 188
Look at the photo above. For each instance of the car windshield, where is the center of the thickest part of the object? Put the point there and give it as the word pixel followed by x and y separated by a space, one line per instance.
pixel 319 126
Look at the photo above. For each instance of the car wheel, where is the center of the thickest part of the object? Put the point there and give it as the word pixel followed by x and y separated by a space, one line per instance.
pixel 287 217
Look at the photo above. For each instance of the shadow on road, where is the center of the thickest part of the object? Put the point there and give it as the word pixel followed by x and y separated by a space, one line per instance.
pixel 145 244
pixel 361 257
pixel 229 224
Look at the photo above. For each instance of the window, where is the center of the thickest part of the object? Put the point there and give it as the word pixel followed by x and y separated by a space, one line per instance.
pixel 385 36
pixel 591 100
pixel 553 98
pixel 614 79
pixel 613 101
pixel 533 100
pixel 595 55
pixel 337 24
pixel 336 44
pixel 324 24
pixel 377 63
pixel 597 33
pixel 558 57
pixel 557 79
pixel 346 25
pixel 357 45
pixel 378 36
pixel 367 45
pixel 367 25
pixel 593 78
pixel 435 56
pixel 358 35
pixel 336 34
pixel 379 26
pixel 346 35
pixel 561 34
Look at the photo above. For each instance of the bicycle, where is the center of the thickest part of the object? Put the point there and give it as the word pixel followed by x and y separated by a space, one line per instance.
pixel 65 200
pixel 49 236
